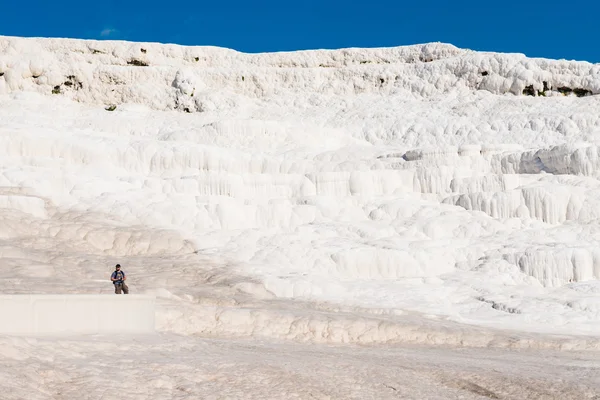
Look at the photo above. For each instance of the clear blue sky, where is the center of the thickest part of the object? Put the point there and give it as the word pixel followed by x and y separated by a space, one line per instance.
pixel 539 28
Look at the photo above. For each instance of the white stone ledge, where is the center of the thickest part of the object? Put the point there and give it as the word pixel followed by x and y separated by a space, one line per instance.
pixel 49 314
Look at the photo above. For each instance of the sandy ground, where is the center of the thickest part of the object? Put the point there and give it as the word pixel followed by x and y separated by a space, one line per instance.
pixel 167 366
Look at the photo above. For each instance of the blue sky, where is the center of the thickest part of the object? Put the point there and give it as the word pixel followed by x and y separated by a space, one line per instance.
pixel 549 28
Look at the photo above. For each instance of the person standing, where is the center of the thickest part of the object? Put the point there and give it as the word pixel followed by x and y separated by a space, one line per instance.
pixel 118 279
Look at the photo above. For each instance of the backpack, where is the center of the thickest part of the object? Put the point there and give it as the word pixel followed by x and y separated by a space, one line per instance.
pixel 118 275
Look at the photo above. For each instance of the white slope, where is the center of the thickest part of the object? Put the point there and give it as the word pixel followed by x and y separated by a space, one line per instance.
pixel 421 194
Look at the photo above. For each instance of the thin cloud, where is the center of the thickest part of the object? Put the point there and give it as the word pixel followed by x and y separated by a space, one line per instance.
pixel 109 32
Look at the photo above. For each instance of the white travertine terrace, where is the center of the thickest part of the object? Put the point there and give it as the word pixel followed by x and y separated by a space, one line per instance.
pixel 422 194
